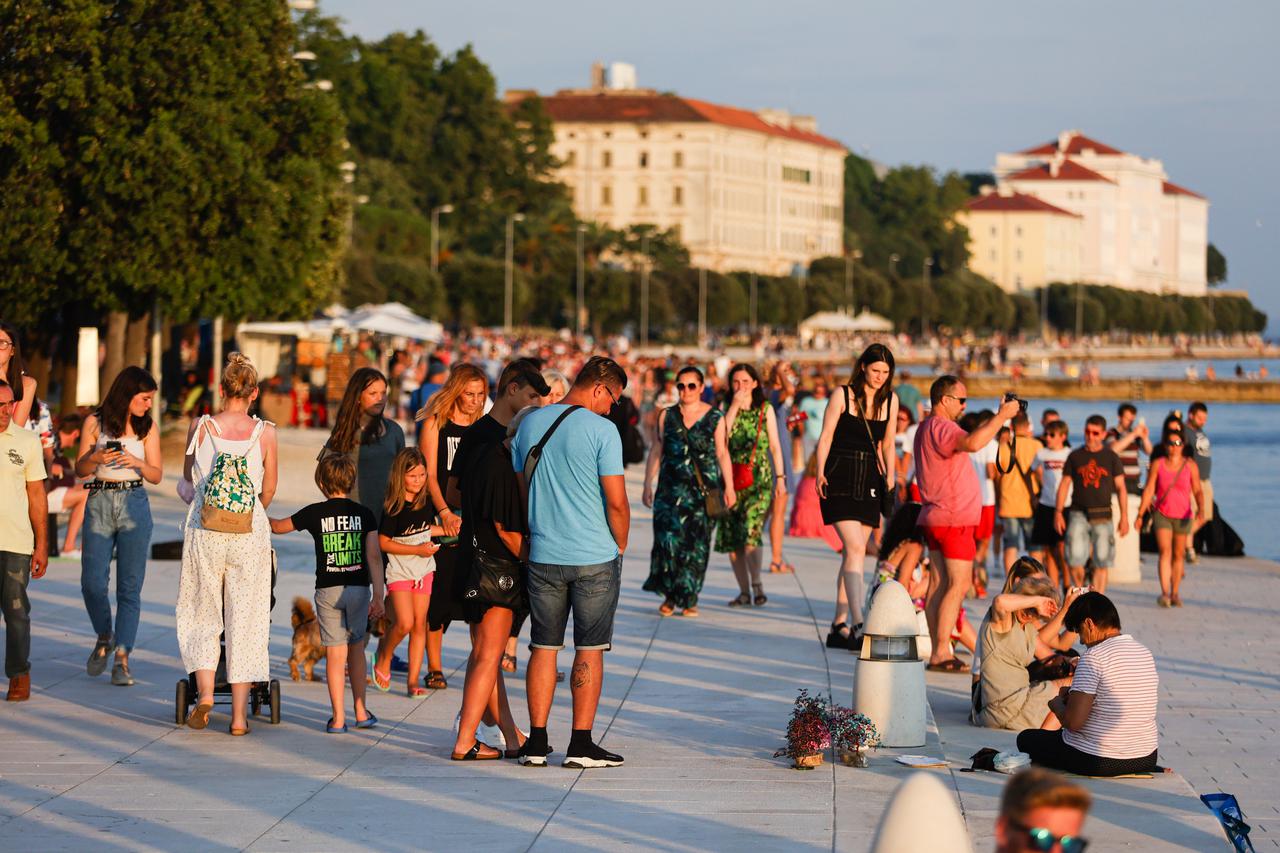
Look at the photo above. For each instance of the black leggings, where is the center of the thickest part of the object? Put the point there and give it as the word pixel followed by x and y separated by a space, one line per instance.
pixel 1048 750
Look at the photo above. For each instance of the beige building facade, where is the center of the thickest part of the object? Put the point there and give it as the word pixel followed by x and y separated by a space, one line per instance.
pixel 754 191
pixel 1021 242
pixel 1139 230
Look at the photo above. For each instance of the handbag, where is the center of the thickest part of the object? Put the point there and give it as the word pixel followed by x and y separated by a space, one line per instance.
pixel 712 497
pixel 497 581
pixel 744 472
pixel 886 496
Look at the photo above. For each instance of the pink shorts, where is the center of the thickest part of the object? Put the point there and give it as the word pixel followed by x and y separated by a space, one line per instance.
pixel 954 543
pixel 422 586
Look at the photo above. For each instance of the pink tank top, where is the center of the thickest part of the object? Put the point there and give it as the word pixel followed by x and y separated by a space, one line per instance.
pixel 1173 491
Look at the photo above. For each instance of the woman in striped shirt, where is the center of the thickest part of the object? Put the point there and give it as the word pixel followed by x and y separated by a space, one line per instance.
pixel 1108 713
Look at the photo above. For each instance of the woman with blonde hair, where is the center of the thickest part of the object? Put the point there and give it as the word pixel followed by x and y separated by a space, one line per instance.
pixel 225 585
pixel 445 417
pixel 558 383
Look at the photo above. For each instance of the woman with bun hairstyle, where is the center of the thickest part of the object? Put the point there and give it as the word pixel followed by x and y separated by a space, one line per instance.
pixel 225 585
pixel 119 449
pixel 14 371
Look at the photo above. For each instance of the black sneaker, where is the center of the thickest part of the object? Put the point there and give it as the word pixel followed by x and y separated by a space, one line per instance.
pixel 530 755
pixel 581 758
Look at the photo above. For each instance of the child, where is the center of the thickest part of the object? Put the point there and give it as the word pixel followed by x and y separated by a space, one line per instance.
pixel 1044 536
pixel 405 537
pixel 347 560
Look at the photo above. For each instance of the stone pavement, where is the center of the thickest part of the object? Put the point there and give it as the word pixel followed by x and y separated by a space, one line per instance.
pixel 696 706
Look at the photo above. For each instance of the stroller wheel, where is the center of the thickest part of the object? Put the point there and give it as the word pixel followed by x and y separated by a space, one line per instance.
pixel 255 699
pixel 181 702
pixel 275 701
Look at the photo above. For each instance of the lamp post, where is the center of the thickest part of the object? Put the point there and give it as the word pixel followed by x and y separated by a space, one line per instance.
pixel 582 283
pixel 893 265
pixel 435 234
pixel 1079 312
pixel 702 307
pixel 754 304
pixel 1044 314
pixel 855 255
pixel 924 296
pixel 510 282
pixel 644 289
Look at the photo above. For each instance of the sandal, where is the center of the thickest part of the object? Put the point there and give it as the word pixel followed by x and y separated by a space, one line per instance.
pixel 781 567
pixel 667 608
pixel 435 680
pixel 1163 601
pixel 743 600
pixel 367 723
pixel 238 732
pixel 330 728
pixel 838 636
pixel 415 691
pixel 760 599
pixel 473 754
pixel 690 612
pixel 949 665
pixel 383 684
pixel 1175 600
pixel 98 658
pixel 508 662
pixel 199 716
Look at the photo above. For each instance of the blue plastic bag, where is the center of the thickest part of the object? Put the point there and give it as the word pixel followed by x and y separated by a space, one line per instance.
pixel 1228 812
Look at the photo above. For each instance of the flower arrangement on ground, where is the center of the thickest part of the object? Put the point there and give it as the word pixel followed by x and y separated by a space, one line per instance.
pixel 807 733
pixel 852 734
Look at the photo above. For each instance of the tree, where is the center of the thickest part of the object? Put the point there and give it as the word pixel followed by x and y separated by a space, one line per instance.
pixel 1215 266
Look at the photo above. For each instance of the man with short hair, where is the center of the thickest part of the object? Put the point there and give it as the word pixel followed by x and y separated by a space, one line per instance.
pixel 1197 417
pixel 579 521
pixel 1094 474
pixel 952 507
pixel 1017 489
pixel 1108 714
pixel 1047 417
pixel 1126 438
pixel 24 540
pixel 1040 810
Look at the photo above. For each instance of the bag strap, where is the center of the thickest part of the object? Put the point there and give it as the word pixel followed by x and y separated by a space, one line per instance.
pixel 1017 465
pixel 535 453
pixel 871 438
pixel 1160 498
pixel 674 411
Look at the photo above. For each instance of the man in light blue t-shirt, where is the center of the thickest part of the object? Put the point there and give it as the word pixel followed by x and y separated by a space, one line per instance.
pixel 579 519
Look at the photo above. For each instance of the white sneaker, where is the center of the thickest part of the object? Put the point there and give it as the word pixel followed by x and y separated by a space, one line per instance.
pixel 73 554
pixel 491 735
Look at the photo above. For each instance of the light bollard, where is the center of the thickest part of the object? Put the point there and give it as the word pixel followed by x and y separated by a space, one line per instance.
pixel 888 684
pixel 922 817
pixel 1128 559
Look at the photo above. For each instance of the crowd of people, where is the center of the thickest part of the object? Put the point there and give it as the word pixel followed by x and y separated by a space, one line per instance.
pixel 454 526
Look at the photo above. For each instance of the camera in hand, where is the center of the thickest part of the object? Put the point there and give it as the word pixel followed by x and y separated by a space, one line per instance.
pixel 1022 404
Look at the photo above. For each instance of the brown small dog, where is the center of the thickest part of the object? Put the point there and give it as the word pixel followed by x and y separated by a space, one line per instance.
pixel 307 648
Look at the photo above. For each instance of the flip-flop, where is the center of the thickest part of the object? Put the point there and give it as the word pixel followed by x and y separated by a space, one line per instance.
pixel 384 687
pixel 509 662
pixel 950 665
pixel 235 732
pixel 199 716
pixel 781 567
pixel 415 691
pixel 367 723
pixel 666 609
pixel 473 754
pixel 689 613
pixel 330 728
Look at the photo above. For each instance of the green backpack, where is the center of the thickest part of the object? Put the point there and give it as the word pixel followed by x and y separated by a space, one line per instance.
pixel 229 493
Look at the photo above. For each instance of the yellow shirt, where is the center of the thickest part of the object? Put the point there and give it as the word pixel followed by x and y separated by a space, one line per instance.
pixel 21 462
pixel 1011 489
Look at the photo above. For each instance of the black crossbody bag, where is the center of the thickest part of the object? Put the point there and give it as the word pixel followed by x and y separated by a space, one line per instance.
pixel 498 580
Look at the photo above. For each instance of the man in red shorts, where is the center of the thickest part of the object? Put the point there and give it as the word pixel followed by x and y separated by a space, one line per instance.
pixel 952 506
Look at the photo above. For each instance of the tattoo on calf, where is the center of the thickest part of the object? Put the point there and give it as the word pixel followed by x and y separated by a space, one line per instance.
pixel 581 675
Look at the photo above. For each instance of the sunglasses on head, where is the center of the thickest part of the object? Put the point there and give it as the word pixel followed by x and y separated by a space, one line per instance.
pixel 686 386
pixel 1043 840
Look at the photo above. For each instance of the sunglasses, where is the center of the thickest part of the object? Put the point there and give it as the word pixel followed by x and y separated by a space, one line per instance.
pixel 1175 442
pixel 691 386
pixel 960 400
pixel 612 396
pixel 1095 432
pixel 1044 840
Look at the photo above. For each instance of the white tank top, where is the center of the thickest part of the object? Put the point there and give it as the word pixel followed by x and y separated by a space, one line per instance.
pixel 119 474
pixel 209 443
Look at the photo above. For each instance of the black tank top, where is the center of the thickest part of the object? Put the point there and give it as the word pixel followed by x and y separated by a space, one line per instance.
pixel 447 451
pixel 851 431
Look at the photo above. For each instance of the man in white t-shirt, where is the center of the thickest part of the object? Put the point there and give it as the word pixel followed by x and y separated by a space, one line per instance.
pixel 1108 714
pixel 1048 465
pixel 984 465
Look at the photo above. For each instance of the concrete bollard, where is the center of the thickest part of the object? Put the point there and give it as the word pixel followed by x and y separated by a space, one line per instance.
pixel 889 684
pixel 1128 561
pixel 922 817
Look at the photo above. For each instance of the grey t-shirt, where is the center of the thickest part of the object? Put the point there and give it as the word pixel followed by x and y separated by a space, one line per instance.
pixel 1202 457
pixel 373 467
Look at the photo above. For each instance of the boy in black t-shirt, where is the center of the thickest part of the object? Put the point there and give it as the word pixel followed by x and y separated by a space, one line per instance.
pixel 347 561
pixel 1091 475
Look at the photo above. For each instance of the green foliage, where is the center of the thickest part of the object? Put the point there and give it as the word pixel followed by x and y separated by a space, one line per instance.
pixel 1216 266
pixel 1109 309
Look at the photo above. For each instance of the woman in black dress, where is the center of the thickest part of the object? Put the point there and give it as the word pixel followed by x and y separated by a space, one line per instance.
pixel 447 414
pixel 855 449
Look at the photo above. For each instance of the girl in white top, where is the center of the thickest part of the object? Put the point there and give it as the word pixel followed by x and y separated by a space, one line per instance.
pixel 225 585
pixel 119 449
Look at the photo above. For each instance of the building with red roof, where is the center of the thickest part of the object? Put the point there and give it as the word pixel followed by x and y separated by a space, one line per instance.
pixel 758 190
pixel 1021 242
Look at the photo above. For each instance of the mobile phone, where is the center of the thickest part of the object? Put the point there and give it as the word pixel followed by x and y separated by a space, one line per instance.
pixel 446 540
pixel 113 447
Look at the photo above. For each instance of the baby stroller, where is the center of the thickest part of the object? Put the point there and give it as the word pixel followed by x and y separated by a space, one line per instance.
pixel 260 692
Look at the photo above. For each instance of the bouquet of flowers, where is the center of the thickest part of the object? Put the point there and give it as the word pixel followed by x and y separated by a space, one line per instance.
pixel 851 732
pixel 807 730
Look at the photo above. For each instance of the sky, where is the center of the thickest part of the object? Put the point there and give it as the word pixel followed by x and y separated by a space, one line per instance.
pixel 1196 85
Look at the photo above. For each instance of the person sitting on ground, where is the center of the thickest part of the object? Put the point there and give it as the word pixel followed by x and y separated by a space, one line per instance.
pixel 1108 714
pixel 1018 632
pixel 1040 810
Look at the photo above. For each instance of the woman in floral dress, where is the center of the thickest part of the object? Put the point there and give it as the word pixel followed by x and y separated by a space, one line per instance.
pixel 691 445
pixel 753 441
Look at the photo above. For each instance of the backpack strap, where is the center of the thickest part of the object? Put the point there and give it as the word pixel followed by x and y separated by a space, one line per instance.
pixel 534 455
pixel 255 435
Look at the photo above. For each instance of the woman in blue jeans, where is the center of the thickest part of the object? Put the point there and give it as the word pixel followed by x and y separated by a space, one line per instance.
pixel 120 449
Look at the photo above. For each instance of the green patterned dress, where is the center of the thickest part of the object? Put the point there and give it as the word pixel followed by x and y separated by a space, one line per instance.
pixel 681 527
pixel 743 526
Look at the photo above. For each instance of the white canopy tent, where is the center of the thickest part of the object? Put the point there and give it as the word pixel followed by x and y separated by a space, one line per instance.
pixel 828 323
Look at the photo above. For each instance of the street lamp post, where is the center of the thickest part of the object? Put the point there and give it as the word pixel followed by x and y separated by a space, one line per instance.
pixel 1079 312
pixel 855 255
pixel 924 296
pixel 702 307
pixel 644 289
pixel 893 266
pixel 1044 314
pixel 510 282
pixel 582 283
pixel 435 234
pixel 754 304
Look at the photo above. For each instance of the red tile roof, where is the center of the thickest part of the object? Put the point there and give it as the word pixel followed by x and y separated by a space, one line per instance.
pixel 1018 202
pixel 1069 171
pixel 642 108
pixel 1079 142
pixel 1174 189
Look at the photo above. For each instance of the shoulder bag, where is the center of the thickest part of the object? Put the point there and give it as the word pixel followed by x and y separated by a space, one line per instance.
pixel 714 497
pixel 744 472
pixel 886 495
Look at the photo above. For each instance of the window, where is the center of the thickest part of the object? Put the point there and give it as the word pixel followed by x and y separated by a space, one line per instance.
pixel 993 254
pixel 677 160
pixel 606 196
pixel 677 196
pixel 993 231
pixel 606 159
pixel 796 176
pixel 571 158
pixel 1018 255
pixel 1017 232
pixel 644 159
pixel 643 196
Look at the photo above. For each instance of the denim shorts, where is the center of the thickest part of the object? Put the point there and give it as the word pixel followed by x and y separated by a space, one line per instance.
pixel 591 592
pixel 1017 533
pixel 343 614
pixel 1083 536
